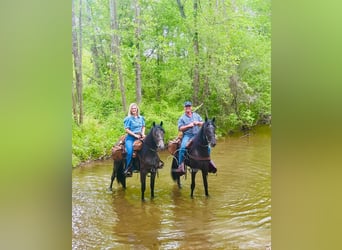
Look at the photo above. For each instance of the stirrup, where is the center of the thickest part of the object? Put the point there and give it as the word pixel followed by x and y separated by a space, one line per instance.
pixel 128 173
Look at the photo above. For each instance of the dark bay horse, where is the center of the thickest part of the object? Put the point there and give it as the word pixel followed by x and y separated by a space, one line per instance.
pixel 147 160
pixel 197 155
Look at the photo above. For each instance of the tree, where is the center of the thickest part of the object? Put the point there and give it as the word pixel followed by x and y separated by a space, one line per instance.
pixel 137 55
pixel 181 8
pixel 77 53
pixel 196 81
pixel 115 48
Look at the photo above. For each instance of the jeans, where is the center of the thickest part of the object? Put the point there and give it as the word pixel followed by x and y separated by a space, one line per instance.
pixel 129 149
pixel 185 140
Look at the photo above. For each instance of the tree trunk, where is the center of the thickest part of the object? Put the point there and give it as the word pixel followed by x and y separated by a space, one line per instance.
pixel 233 85
pixel 181 8
pixel 137 56
pixel 112 62
pixel 74 104
pixel 116 50
pixel 158 76
pixel 77 53
pixel 196 80
pixel 93 47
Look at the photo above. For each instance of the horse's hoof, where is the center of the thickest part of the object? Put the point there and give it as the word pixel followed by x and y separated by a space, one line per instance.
pixel 109 189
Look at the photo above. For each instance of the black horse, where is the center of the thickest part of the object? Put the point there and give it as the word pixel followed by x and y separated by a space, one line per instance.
pixel 147 160
pixel 197 156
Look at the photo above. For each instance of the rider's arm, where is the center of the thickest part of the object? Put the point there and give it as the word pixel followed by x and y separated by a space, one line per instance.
pixel 143 131
pixel 128 131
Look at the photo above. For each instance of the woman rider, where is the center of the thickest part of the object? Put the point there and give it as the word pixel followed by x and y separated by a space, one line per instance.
pixel 134 125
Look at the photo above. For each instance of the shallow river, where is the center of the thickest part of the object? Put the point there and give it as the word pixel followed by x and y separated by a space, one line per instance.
pixel 237 215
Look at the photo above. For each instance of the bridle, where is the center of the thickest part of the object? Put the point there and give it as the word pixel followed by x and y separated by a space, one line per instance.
pixel 155 137
pixel 209 126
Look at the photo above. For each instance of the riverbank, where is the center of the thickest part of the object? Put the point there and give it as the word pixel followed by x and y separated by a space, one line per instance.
pixel 263 128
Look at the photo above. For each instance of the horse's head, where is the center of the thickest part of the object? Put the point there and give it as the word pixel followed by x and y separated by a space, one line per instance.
pixel 209 128
pixel 158 135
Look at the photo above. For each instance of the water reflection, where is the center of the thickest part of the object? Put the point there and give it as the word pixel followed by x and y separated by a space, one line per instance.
pixel 237 215
pixel 137 223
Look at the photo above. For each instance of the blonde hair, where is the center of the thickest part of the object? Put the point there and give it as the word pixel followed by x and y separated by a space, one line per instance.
pixel 130 107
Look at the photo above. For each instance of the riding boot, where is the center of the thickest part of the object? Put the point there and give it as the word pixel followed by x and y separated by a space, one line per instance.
pixel 180 168
pixel 128 172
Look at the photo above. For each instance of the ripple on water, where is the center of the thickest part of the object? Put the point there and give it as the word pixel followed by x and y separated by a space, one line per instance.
pixel 237 215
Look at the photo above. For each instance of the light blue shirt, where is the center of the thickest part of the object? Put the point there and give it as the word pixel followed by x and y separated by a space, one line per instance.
pixel 135 124
pixel 185 120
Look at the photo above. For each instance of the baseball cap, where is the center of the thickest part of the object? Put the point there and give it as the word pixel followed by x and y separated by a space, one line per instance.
pixel 187 103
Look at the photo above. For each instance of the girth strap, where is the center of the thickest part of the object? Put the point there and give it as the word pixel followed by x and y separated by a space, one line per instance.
pixel 199 158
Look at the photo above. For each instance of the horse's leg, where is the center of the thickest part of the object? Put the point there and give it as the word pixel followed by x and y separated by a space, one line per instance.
pixel 143 184
pixel 112 178
pixel 152 180
pixel 175 176
pixel 179 183
pixel 193 184
pixel 205 181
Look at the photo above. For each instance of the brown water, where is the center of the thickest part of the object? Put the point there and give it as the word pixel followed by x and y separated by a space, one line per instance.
pixel 237 215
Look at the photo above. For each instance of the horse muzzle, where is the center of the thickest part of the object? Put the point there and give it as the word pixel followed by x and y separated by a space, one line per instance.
pixel 161 145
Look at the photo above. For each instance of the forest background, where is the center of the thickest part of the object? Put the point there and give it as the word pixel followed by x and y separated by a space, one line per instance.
pixel 160 53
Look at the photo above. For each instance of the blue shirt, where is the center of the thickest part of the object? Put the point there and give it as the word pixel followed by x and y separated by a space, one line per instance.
pixel 135 124
pixel 185 120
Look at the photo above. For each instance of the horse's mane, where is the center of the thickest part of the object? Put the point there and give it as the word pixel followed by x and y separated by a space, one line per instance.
pixel 199 137
pixel 199 141
pixel 148 140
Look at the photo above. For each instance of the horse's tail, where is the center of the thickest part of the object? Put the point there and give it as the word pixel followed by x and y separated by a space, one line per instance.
pixel 175 176
pixel 120 176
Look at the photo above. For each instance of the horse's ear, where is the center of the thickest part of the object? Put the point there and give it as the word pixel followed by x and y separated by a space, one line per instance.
pixel 206 119
pixel 154 124
pixel 161 123
pixel 213 119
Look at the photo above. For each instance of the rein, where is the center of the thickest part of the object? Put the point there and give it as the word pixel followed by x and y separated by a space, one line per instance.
pixel 205 145
pixel 149 147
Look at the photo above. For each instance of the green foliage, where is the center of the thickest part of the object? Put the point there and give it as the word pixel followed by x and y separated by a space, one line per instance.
pixel 93 139
pixel 234 120
pixel 234 63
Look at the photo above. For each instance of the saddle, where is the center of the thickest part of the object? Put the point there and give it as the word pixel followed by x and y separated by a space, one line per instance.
pixel 174 144
pixel 119 149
